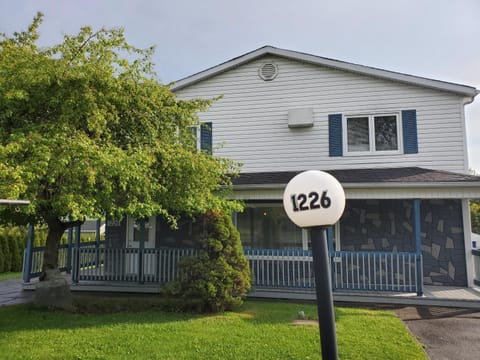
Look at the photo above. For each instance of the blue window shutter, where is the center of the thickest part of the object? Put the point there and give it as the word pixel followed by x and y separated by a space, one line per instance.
pixel 335 142
pixel 206 137
pixel 409 127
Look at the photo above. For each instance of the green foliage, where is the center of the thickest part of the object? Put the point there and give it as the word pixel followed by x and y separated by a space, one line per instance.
pixel 10 275
pixel 12 244
pixel 86 129
pixel 219 277
pixel 475 215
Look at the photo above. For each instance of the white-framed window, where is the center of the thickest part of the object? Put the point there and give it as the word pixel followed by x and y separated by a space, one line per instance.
pixel 200 137
pixel 134 232
pixel 372 134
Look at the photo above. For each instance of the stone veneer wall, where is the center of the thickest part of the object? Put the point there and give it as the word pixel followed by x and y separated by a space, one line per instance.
pixel 378 225
pixel 388 225
pixel 443 245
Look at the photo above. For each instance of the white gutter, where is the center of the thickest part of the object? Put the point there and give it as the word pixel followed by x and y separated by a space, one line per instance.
pixel 14 202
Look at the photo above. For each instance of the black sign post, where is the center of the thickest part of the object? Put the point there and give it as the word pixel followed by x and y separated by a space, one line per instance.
pixel 315 199
pixel 323 284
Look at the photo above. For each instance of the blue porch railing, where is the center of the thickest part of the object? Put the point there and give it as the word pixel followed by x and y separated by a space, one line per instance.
pixel 375 271
pixel 64 259
pixel 271 268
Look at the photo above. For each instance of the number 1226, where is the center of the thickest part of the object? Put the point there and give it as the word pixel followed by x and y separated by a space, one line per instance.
pixel 313 200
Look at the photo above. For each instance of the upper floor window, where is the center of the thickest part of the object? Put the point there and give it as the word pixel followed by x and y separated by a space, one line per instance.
pixel 388 133
pixel 372 134
pixel 200 137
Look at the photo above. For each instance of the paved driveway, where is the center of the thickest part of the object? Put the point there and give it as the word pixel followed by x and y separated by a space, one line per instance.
pixel 11 292
pixel 448 333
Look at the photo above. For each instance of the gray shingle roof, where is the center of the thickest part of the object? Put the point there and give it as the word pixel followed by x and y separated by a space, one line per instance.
pixel 359 176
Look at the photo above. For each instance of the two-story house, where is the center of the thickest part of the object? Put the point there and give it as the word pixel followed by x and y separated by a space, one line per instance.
pixel 396 142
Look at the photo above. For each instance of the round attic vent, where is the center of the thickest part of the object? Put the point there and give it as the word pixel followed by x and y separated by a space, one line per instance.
pixel 268 71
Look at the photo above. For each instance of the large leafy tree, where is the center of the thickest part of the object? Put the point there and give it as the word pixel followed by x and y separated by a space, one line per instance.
pixel 86 129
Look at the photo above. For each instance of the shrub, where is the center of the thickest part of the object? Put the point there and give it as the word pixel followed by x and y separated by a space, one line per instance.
pixel 219 277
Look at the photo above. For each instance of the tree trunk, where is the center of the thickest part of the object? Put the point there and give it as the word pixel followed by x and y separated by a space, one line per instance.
pixel 50 257
pixel 53 291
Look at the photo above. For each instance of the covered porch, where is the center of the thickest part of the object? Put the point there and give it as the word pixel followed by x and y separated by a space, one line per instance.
pixel 402 229
pixel 284 274
pixel 274 271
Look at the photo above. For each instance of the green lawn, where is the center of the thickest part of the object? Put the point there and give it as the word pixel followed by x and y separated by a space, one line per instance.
pixel 258 330
pixel 10 275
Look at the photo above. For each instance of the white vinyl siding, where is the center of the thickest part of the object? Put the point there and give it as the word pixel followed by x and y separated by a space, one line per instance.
pixel 250 121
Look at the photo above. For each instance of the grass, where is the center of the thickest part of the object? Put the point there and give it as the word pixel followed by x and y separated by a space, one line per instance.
pixel 10 275
pixel 257 330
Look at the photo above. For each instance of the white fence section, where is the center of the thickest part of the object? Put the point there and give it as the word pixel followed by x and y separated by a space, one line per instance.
pixel 376 271
pixel 128 264
pixel 278 268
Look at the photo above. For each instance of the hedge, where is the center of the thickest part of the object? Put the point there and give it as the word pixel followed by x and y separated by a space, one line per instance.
pixel 12 244
pixel 13 241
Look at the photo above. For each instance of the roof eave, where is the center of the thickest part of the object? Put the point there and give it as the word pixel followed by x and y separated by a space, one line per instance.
pixel 463 90
pixel 372 185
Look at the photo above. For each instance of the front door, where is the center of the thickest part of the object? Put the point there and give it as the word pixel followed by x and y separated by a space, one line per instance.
pixel 133 242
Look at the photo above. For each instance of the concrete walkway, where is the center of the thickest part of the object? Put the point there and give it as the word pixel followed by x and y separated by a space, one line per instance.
pixel 11 292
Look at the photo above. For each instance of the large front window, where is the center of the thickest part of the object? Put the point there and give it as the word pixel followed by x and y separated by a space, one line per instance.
pixel 268 227
pixel 372 134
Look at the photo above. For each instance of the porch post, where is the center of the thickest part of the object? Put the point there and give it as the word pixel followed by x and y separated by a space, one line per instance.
pixel 69 250
pixel 330 238
pixel 330 254
pixel 27 265
pixel 141 246
pixel 97 243
pixel 76 259
pixel 418 246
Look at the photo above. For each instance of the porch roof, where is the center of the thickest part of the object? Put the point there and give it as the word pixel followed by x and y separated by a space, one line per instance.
pixel 369 177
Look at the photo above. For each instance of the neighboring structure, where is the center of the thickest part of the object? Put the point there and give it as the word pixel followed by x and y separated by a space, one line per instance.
pixel 396 142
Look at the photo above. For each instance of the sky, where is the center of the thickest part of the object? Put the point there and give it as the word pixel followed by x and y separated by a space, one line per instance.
pixel 437 39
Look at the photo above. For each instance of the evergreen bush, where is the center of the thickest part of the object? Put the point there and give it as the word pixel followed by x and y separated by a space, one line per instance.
pixel 219 277
pixel 2 261
pixel 13 240
pixel 6 254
